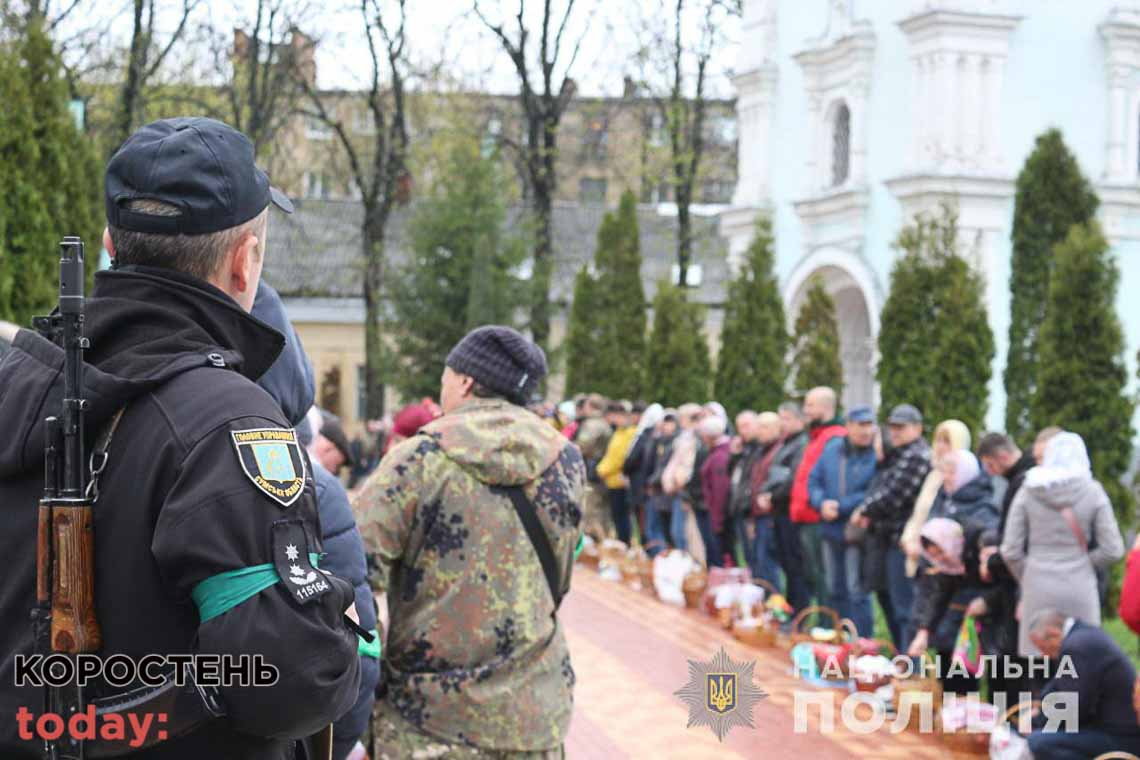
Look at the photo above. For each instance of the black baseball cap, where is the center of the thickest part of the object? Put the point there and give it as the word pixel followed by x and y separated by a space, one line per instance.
pixel 202 166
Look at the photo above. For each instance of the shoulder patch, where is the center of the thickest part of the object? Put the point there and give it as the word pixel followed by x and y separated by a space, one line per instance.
pixel 290 546
pixel 271 458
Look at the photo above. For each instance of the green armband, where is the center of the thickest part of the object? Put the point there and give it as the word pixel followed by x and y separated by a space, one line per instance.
pixel 367 649
pixel 580 547
pixel 224 591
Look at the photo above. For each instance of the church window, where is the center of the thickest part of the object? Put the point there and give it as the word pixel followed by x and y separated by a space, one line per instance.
pixel 840 145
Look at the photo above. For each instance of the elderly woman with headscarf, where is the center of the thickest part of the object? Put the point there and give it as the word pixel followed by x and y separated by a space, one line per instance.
pixel 947 582
pixel 967 490
pixel 638 465
pixel 1065 518
pixel 950 435
pixel 965 498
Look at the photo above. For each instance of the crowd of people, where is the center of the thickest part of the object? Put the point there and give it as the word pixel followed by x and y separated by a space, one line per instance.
pixel 833 512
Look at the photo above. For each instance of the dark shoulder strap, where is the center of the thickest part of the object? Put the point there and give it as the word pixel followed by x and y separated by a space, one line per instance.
pixel 525 509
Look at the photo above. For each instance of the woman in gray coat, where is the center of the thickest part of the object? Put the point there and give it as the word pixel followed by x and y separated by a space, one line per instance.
pixel 1060 528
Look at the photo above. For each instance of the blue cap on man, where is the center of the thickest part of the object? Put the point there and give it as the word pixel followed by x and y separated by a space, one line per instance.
pixel 862 413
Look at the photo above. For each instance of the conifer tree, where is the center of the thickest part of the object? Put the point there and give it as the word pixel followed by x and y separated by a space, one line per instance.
pixel 1081 372
pixel 677 364
pixel 605 344
pixel 49 175
pixel 1052 196
pixel 582 334
pixel 935 344
pixel 751 368
pixel 816 360
pixel 461 271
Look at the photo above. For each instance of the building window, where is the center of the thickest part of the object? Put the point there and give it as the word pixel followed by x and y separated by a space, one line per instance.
pixel 840 145
pixel 362 122
pixel 491 136
pixel 656 129
pixel 317 129
pixel 315 185
pixel 717 191
pixel 594 139
pixel 591 190
pixel 722 130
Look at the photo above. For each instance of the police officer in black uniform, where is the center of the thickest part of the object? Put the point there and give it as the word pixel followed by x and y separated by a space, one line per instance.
pixel 205 486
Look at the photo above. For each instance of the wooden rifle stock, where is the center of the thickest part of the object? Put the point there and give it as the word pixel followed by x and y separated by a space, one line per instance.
pixel 74 628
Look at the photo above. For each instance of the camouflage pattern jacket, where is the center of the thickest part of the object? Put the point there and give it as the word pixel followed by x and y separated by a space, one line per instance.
pixel 475 654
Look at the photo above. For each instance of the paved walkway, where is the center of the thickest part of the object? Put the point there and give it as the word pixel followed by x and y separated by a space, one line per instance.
pixel 630 654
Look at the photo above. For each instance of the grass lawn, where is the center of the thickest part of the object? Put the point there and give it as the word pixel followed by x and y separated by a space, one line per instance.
pixel 1127 640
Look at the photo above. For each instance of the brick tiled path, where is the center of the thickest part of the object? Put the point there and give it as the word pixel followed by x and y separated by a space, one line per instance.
pixel 631 652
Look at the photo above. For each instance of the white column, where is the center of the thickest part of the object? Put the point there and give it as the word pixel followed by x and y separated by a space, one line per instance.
pixel 918 120
pixel 817 164
pixel 944 78
pixel 1117 123
pixel 955 82
pixel 993 109
pixel 970 120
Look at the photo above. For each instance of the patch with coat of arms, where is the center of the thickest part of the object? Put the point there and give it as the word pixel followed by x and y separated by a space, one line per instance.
pixel 272 459
pixel 720 694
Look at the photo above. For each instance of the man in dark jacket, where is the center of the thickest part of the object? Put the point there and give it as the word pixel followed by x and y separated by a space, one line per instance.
pixel 658 503
pixel 1100 679
pixel 1001 457
pixel 744 451
pixel 888 506
pixel 774 497
pixel 836 487
pixel 290 382
pixel 203 474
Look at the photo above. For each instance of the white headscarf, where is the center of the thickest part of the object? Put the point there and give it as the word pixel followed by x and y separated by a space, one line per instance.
pixel 966 468
pixel 1066 458
pixel 650 418
pixel 715 408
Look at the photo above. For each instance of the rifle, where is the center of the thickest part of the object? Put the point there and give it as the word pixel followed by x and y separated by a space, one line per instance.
pixel 64 617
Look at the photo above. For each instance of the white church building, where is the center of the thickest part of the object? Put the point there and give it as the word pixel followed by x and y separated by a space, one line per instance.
pixel 854 115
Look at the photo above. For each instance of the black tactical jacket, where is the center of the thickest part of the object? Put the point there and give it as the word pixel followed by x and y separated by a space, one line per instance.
pixel 176 507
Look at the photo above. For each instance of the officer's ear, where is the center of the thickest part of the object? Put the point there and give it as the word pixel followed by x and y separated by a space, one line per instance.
pixel 243 270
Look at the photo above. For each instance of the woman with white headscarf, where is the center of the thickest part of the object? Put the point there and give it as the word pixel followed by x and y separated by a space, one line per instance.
pixel 1065 519
pixel 638 465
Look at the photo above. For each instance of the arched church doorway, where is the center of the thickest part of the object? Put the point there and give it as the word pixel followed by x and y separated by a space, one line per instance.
pixel 856 314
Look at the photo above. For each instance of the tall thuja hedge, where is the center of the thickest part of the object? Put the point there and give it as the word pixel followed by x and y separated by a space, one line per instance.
pixel 605 344
pixel 935 343
pixel 1081 375
pixel 582 333
pixel 816 359
pixel 677 360
pixel 49 175
pixel 1052 196
pixel 751 369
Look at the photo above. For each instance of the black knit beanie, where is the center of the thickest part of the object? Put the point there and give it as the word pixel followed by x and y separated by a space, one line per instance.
pixel 500 359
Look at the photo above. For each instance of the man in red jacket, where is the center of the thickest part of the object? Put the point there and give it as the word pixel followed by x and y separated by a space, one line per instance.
pixel 823 425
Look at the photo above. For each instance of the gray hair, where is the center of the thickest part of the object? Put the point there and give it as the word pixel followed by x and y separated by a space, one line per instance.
pixel 196 255
pixel 1045 619
pixel 791 407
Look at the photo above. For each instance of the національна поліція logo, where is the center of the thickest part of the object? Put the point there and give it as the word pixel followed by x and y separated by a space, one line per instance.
pixel 720 694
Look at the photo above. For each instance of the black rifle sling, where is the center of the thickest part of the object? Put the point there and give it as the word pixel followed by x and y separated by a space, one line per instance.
pixel 525 509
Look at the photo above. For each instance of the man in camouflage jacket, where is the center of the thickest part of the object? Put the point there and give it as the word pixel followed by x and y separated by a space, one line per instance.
pixel 475 661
